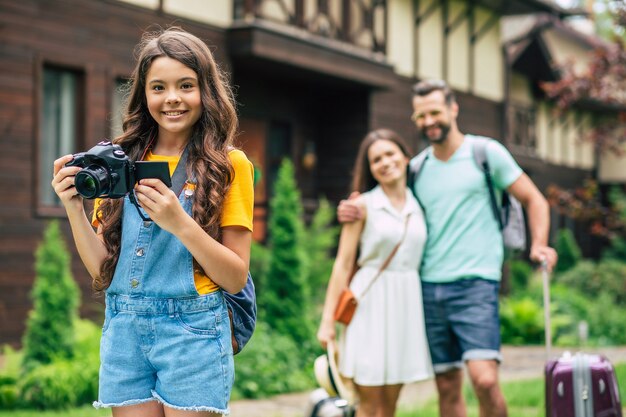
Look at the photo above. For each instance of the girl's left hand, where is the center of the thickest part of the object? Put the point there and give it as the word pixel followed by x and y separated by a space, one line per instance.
pixel 160 203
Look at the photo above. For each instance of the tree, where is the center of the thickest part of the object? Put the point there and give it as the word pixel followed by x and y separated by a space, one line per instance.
pixel 603 86
pixel 284 301
pixel 50 325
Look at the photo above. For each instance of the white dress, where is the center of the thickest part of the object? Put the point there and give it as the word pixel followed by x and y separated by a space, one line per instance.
pixel 385 342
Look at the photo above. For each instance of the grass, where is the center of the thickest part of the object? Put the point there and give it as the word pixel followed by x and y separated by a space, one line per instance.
pixel 524 398
pixel 85 411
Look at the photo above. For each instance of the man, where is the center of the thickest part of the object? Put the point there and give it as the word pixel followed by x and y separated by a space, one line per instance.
pixel 461 267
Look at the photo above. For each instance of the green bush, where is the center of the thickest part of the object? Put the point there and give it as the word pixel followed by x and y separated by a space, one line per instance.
pixel 592 279
pixel 260 258
pixel 284 301
pixel 521 321
pixel 520 273
pixel 49 328
pixel 51 386
pixel 61 383
pixel 319 241
pixel 271 364
pixel 568 250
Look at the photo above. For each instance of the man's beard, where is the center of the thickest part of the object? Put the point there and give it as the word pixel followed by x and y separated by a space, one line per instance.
pixel 445 129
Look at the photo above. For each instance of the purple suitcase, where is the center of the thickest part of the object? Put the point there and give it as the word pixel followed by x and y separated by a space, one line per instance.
pixel 581 385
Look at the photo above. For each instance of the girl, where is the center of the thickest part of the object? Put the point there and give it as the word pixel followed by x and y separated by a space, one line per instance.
pixel 166 339
pixel 385 345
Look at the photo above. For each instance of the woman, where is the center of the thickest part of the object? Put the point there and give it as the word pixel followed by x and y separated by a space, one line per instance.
pixel 384 347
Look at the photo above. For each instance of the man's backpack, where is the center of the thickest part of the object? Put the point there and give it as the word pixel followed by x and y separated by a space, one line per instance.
pixel 509 215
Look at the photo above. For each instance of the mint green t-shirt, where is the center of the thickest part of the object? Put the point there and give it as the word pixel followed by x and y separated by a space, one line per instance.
pixel 464 239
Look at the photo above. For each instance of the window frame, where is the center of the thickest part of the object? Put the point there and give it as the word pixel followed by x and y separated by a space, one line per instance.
pixel 41 64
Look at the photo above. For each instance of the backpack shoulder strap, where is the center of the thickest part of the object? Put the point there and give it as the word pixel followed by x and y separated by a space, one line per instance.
pixel 479 152
pixel 415 169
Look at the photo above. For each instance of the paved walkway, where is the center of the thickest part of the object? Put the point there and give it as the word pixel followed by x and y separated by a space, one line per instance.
pixel 519 363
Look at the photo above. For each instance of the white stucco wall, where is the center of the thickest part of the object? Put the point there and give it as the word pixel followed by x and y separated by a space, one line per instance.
pixel 214 12
pixel 400 37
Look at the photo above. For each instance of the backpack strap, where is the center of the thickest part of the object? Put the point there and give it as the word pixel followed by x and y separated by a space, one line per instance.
pixel 415 169
pixel 479 151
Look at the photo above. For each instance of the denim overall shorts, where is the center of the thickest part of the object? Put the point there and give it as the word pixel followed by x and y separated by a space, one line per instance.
pixel 160 339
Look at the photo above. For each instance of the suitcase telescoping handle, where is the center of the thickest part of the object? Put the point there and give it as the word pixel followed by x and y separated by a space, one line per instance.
pixel 546 307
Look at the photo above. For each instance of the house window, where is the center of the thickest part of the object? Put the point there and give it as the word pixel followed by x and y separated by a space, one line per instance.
pixel 523 121
pixel 278 148
pixel 61 117
pixel 118 104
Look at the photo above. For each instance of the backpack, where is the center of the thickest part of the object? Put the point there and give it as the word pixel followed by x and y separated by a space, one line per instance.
pixel 242 305
pixel 242 313
pixel 509 215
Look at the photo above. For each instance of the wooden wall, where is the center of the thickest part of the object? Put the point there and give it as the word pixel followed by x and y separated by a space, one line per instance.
pixel 96 38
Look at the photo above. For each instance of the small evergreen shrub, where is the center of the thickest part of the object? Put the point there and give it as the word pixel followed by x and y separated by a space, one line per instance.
pixel 260 258
pixel 319 242
pixel 284 301
pixel 49 328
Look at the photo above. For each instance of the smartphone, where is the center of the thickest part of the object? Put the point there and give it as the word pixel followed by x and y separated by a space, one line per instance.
pixel 153 169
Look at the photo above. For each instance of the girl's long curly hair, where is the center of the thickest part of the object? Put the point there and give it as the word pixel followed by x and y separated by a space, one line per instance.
pixel 208 146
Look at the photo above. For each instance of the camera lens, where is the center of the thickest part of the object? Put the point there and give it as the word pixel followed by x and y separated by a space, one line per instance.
pixel 92 182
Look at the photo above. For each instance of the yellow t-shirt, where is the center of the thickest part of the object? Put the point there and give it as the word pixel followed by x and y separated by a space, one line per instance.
pixel 238 204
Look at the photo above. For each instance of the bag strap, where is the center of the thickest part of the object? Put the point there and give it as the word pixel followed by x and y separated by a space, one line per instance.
pixel 389 258
pixel 479 151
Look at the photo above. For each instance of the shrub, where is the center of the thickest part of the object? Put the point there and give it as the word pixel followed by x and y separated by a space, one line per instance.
pixel 271 364
pixel 319 241
pixel 65 382
pixel 49 328
pixel 568 250
pixel 9 375
pixel 260 258
pixel 592 279
pixel 521 321
pixel 285 296
pixel 520 273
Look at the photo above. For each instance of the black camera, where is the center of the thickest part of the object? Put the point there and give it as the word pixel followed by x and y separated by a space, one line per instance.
pixel 108 172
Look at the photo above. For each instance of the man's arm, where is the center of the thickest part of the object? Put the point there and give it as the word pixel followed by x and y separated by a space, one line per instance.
pixel 538 212
pixel 348 210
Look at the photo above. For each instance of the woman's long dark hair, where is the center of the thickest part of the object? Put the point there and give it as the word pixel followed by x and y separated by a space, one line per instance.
pixel 210 141
pixel 362 178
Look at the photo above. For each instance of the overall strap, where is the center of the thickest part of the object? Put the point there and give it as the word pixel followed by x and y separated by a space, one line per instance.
pixel 180 173
pixel 479 151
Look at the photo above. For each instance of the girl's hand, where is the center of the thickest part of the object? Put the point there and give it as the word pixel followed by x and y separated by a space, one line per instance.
pixel 326 333
pixel 63 183
pixel 160 203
